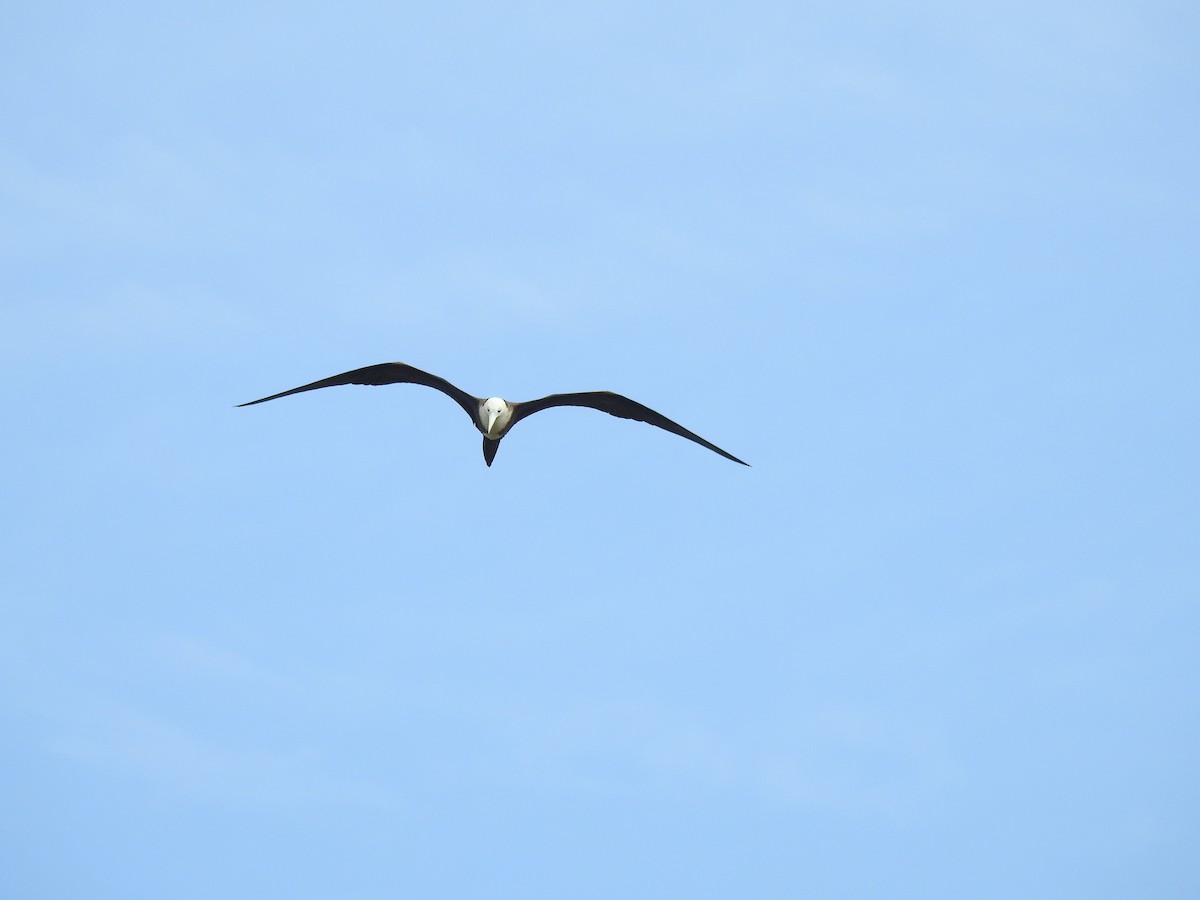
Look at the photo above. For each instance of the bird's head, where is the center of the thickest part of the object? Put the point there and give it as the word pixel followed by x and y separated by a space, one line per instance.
pixel 496 414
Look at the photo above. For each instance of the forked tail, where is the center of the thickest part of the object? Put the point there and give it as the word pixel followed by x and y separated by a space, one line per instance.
pixel 489 450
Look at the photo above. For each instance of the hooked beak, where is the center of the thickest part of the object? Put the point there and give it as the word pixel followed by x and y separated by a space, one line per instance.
pixel 491 422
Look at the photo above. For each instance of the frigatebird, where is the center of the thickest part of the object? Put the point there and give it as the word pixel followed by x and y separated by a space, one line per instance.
pixel 495 417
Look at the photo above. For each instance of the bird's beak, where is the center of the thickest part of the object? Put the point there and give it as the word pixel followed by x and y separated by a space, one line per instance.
pixel 492 416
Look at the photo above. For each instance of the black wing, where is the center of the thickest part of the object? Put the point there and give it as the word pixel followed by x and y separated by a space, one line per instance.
pixel 389 373
pixel 614 405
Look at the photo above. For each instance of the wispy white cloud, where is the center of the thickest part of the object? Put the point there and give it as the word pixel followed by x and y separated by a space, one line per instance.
pixel 128 742
pixel 131 193
pixel 845 759
pixel 124 731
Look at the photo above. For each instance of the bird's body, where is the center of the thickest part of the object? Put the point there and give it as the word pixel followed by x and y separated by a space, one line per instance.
pixel 494 416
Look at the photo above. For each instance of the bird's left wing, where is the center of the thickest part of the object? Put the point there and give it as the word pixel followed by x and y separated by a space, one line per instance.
pixel 615 405
pixel 389 373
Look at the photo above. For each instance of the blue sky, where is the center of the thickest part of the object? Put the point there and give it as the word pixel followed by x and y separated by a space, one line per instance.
pixel 930 268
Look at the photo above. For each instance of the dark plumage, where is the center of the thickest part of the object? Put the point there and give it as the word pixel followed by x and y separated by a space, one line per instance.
pixel 495 417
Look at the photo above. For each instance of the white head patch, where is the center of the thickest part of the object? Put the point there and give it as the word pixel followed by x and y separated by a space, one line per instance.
pixel 496 414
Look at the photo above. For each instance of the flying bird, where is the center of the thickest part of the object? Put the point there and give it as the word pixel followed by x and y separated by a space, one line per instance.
pixel 495 417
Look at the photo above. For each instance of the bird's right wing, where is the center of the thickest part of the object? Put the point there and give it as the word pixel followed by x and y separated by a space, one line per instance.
pixel 389 373
pixel 615 405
